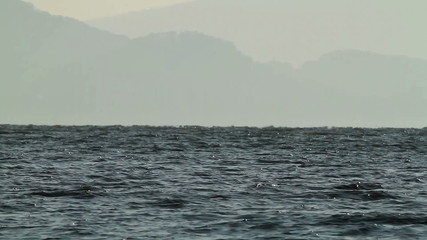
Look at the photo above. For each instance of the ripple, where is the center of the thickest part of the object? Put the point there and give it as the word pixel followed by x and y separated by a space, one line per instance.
pixel 83 192
pixel 115 182
pixel 169 203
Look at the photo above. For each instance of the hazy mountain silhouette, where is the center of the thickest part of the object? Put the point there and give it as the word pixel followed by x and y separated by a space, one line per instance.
pixel 285 30
pixel 45 39
pixel 365 74
pixel 382 89
pixel 32 44
pixel 60 71
pixel 186 78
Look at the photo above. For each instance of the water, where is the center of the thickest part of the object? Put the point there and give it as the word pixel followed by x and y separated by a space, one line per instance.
pixel 212 183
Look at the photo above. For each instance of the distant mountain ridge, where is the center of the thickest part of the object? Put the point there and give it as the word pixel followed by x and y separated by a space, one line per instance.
pixel 60 71
pixel 365 73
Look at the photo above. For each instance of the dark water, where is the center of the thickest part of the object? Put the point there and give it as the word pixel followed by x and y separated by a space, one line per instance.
pixel 212 183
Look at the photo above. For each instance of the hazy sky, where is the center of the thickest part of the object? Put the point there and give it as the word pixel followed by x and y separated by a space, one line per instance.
pixel 91 9
pixel 304 29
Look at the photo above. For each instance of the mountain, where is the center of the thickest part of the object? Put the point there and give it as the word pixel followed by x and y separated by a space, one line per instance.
pixel 179 78
pixel 46 39
pixel 287 30
pixel 190 78
pixel 57 70
pixel 388 90
pixel 33 43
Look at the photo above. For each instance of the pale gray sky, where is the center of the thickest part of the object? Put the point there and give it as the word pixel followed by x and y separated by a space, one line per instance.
pixel 91 9
pixel 293 31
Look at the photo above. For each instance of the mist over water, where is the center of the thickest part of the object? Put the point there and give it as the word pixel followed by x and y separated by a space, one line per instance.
pixel 139 182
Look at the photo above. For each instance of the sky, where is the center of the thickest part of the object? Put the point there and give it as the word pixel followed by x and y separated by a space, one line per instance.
pixel 395 27
pixel 91 9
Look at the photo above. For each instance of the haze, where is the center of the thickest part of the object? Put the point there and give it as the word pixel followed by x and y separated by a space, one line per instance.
pixel 91 9
pixel 214 62
pixel 283 30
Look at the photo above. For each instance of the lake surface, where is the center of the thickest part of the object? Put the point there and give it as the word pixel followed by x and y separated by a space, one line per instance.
pixel 212 183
